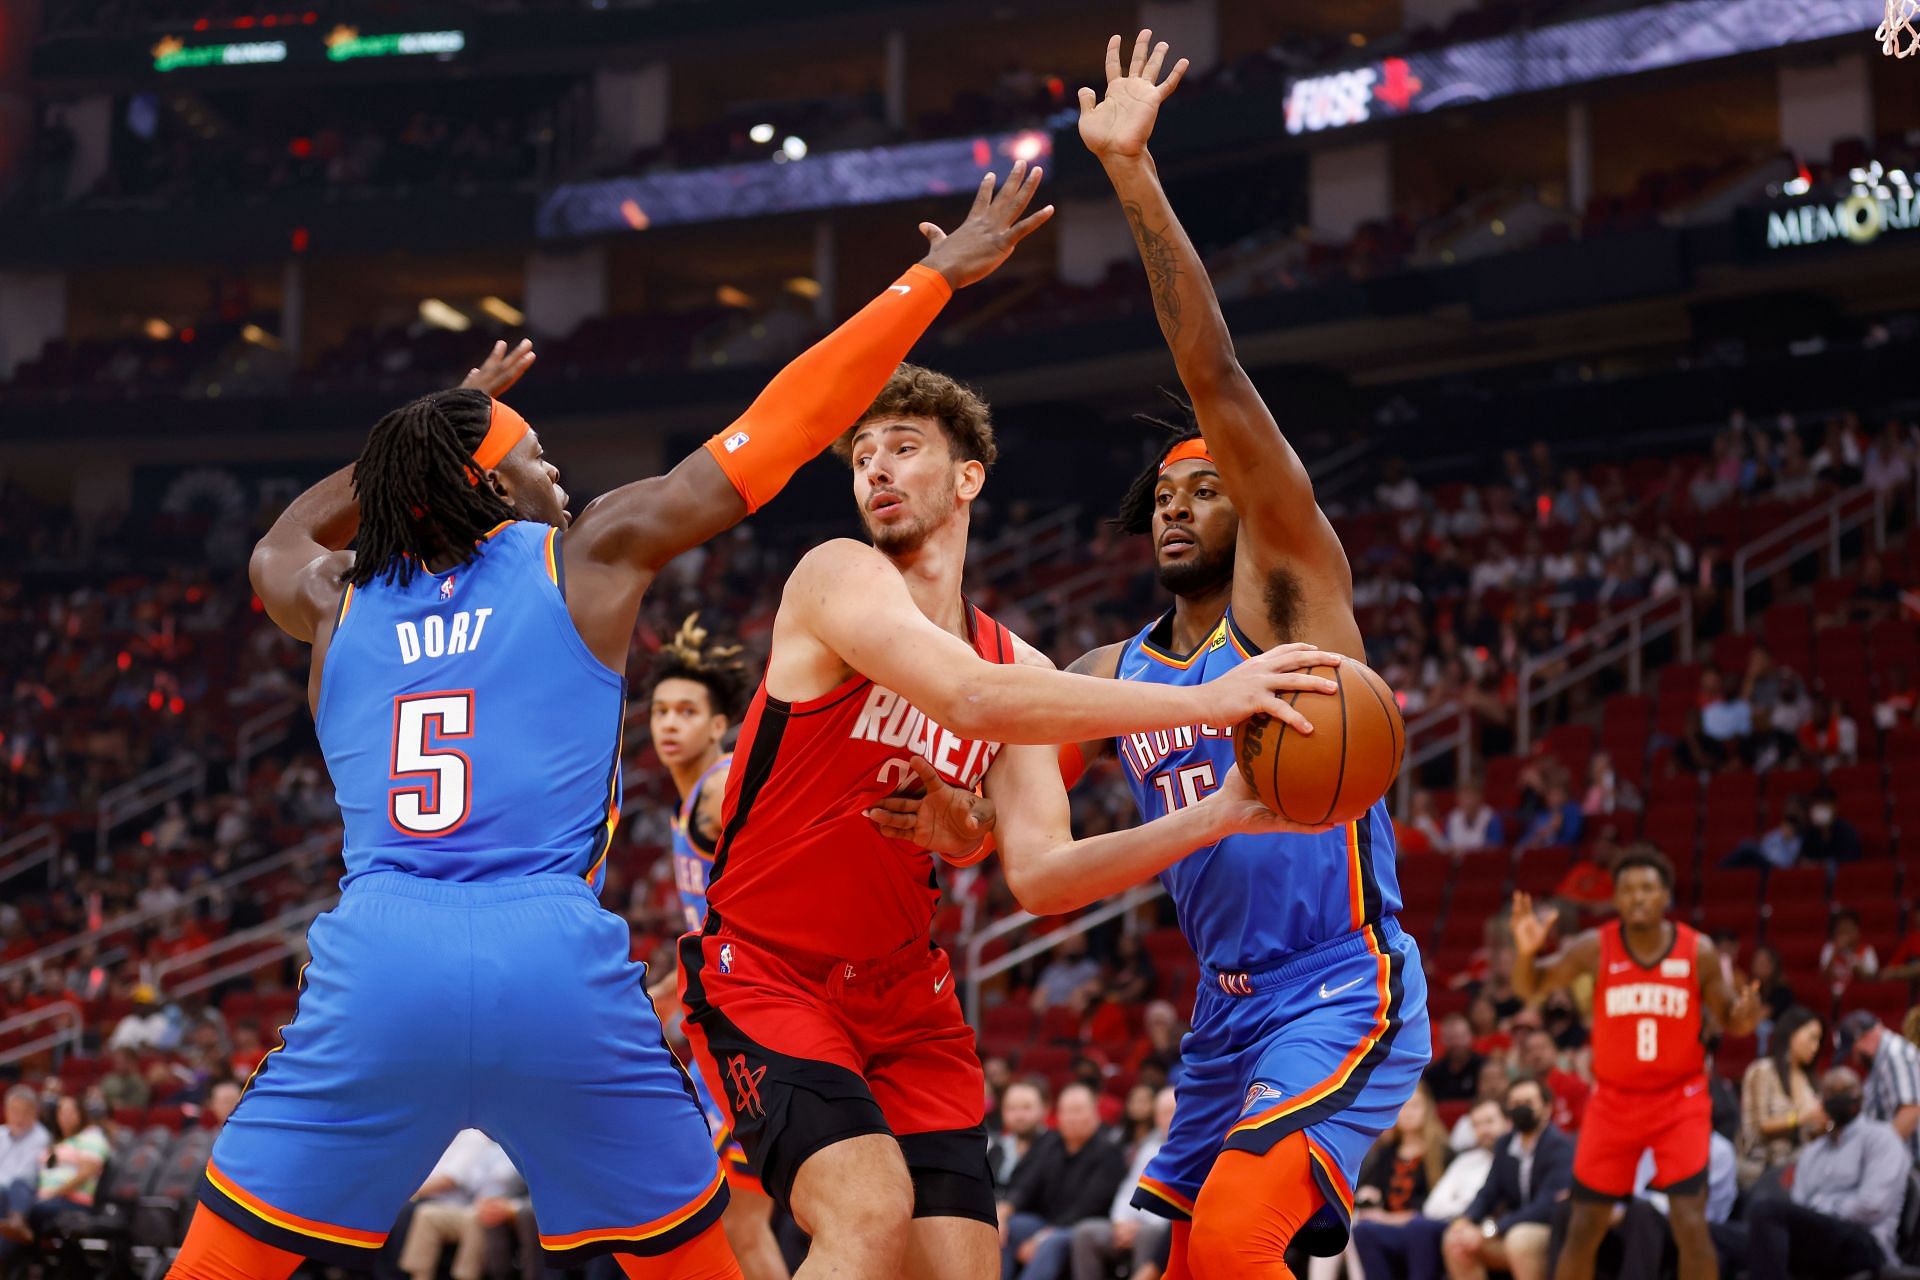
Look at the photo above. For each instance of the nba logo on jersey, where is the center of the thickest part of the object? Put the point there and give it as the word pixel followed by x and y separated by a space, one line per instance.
pixel 446 588
pixel 726 957
pixel 735 440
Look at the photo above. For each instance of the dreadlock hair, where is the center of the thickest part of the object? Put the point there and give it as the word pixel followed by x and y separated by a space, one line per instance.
pixel 415 483
pixel 1136 508
pixel 718 667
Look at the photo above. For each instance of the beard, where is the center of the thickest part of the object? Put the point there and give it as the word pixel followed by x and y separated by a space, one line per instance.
pixel 901 539
pixel 1203 572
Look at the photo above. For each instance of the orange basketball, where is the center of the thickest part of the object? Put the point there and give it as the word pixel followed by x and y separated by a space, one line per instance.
pixel 1334 774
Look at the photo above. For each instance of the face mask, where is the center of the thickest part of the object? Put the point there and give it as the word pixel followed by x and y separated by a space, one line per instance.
pixel 1525 1118
pixel 1841 1108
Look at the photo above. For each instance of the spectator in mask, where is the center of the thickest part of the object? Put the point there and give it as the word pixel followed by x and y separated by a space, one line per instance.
pixel 1843 1212
pixel 1507 1227
pixel 1412 1248
pixel 1892 1066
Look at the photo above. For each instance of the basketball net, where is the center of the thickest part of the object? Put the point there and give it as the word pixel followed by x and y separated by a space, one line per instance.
pixel 1897 35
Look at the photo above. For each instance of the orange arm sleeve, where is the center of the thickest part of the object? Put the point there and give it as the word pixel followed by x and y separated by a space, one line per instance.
pixel 826 388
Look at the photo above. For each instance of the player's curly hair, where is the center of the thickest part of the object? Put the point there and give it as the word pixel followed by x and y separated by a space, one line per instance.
pixel 1136 507
pixel 915 392
pixel 1644 855
pixel 720 668
pixel 414 482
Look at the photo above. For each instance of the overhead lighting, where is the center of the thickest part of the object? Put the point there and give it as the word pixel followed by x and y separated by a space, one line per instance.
pixel 157 329
pixel 728 296
pixel 793 148
pixel 441 316
pixel 635 216
pixel 505 312
pixel 804 287
pixel 1030 146
pixel 761 133
pixel 1357 39
pixel 260 337
pixel 1498 227
pixel 1797 186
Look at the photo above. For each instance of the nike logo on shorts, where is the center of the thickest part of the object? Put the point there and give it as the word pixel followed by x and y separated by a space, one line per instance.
pixel 941 983
pixel 1345 986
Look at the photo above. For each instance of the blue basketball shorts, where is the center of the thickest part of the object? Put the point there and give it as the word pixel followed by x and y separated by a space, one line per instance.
pixel 429 1007
pixel 1331 1042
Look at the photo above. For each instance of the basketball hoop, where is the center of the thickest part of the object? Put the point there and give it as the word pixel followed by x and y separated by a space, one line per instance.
pixel 1897 35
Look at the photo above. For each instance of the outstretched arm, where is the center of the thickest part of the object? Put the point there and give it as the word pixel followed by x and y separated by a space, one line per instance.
pixel 1534 977
pixel 811 401
pixel 1279 519
pixel 846 606
pixel 1050 872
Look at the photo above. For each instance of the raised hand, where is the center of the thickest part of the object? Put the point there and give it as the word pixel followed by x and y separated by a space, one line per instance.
pixel 940 818
pixel 992 229
pixel 1120 124
pixel 501 369
pixel 1746 1010
pixel 1260 684
pixel 1530 932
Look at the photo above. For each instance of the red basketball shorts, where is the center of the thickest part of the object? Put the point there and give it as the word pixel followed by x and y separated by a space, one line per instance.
pixel 1621 1125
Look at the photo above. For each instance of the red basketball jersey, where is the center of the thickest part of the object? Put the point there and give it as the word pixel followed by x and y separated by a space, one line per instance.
pixel 799 863
pixel 1646 1018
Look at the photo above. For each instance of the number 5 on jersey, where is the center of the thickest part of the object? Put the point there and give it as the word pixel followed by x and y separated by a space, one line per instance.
pixel 421 723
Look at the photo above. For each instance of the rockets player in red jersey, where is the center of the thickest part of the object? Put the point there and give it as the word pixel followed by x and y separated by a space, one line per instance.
pixel 816 1001
pixel 1650 976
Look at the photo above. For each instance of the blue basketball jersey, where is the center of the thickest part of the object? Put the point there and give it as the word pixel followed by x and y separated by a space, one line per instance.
pixel 470 732
pixel 692 865
pixel 1249 900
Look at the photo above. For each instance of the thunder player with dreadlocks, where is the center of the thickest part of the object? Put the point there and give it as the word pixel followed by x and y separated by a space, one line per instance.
pixel 468 694
pixel 1310 1029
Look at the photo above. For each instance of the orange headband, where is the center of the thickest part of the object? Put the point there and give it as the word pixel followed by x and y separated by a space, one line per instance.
pixel 504 429
pixel 1194 448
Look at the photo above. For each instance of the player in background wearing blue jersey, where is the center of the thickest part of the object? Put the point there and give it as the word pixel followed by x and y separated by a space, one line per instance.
pixel 1310 1029
pixel 468 693
pixel 697 691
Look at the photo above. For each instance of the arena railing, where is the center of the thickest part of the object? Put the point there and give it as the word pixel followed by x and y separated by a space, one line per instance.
pixel 1015 553
pixel 142 795
pixel 1823 529
pixel 279 931
pixel 979 974
pixel 29 849
pixel 1599 647
pixel 259 733
pixel 311 849
pixel 61 1039
pixel 1430 737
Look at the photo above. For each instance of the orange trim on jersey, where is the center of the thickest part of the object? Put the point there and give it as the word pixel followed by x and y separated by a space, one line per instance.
pixel 613 803
pixel 497 528
pixel 1155 1187
pixel 280 1032
pixel 1338 1079
pixel 553 568
pixel 646 1230
pixel 1182 664
pixel 1331 1168
pixel 292 1222
pixel 346 603
pixel 1356 895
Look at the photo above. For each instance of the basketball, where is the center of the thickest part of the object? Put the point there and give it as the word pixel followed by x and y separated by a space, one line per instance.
pixel 1334 774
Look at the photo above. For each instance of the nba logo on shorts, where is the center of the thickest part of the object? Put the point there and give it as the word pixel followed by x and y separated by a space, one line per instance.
pixel 446 588
pixel 735 440
pixel 1255 1095
pixel 726 957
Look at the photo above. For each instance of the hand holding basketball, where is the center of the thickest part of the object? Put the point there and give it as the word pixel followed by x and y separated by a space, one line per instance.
pixel 1260 685
pixel 1530 931
pixel 1336 771
pixel 1244 813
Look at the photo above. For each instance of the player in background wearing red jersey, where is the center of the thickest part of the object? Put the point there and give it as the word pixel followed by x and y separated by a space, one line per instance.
pixel 1651 977
pixel 816 1001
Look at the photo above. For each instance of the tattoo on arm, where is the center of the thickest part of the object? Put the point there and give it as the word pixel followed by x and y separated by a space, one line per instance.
pixel 1163 269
